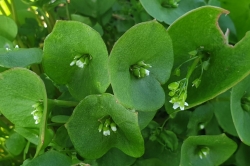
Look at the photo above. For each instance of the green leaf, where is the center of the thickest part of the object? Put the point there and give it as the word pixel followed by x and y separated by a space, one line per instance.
pixel 221 108
pixel 50 158
pixel 8 28
pixel 240 14
pixel 206 150
pixel 92 8
pixel 30 134
pixel 5 43
pixel 15 144
pixel 241 156
pixel 169 15
pixel 68 40
pixel 199 119
pixel 86 119
pixel 19 57
pixel 241 117
pixel 19 90
pixel 228 64
pixel 62 138
pixel 115 157
pixel 149 162
pixel 147 42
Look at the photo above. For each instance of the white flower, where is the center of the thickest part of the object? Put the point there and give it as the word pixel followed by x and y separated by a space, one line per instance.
pixel 113 128
pixel 73 63
pixel 178 104
pixel 147 72
pixel 80 64
pixel 106 132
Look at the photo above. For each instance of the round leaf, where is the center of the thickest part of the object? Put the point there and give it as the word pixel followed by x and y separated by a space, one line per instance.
pixel 8 28
pixel 19 90
pixel 241 118
pixel 15 144
pixel 228 64
pixel 50 158
pixel 20 57
pixel 169 15
pixel 67 40
pixel 218 149
pixel 150 43
pixel 92 144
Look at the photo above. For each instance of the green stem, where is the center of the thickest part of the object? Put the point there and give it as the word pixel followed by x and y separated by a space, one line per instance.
pixel 164 123
pixel 7 4
pixel 13 11
pixel 187 61
pixel 67 11
pixel 193 66
pixel 62 103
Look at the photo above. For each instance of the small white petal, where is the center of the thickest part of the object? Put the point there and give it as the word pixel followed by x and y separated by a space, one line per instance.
pixel 186 104
pixel 147 72
pixel 182 108
pixel 16 46
pixel 72 63
pixel 113 128
pixel 106 132
pixel 79 64
pixel 176 105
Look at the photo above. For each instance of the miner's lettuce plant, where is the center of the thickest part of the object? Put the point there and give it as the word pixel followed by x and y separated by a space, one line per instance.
pixel 124 82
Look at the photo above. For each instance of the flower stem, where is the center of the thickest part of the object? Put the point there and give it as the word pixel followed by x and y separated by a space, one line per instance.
pixel 62 103
pixel 193 66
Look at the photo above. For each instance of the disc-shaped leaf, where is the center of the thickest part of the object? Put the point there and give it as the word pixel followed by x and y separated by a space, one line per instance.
pixel 20 89
pixel 150 43
pixel 167 14
pixel 241 117
pixel 206 150
pixel 15 144
pixel 85 121
pixel 68 40
pixel 228 64
pixel 20 57
pixel 8 28
pixel 50 158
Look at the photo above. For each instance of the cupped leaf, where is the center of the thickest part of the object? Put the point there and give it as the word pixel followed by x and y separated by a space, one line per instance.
pixel 28 133
pixel 69 40
pixel 227 64
pixel 92 8
pixel 20 57
pixel 241 156
pixel 50 158
pixel 169 14
pixel 241 115
pixel 115 157
pixel 20 89
pixel 206 150
pixel 222 111
pixel 93 111
pixel 15 144
pixel 148 43
pixel 199 119
pixel 8 28
pixel 240 14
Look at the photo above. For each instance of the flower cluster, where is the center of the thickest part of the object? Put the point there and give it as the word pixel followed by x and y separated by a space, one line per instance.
pixel 203 152
pixel 140 69
pixel 170 3
pixel 178 92
pixel 106 126
pixel 81 60
pixel 38 112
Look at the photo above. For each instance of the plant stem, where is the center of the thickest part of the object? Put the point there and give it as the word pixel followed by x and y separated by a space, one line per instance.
pixel 67 10
pixel 193 66
pixel 62 103
pixel 2 11
pixel 164 123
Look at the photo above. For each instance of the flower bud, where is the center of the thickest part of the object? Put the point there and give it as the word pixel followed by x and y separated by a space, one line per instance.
pixel 173 86
pixel 196 82
pixel 113 126
pixel 171 93
pixel 107 122
pixel 136 72
pixel 142 72
pixel 205 64
pixel 193 53
pixel 106 131
pixel 100 127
